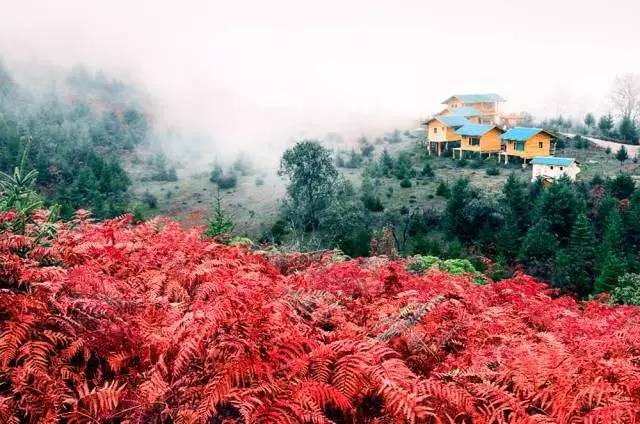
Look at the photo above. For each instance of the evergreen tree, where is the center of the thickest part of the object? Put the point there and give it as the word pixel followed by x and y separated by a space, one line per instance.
pixel 613 264
pixel 509 236
pixel 622 154
pixel 628 130
pixel 560 205
pixel 538 250
pixel 386 163
pixel 605 124
pixel 516 202
pixel 589 120
pixel 631 220
pixel 220 224
pixel 574 265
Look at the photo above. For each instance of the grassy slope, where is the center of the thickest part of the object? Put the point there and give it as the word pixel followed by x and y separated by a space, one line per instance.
pixel 255 208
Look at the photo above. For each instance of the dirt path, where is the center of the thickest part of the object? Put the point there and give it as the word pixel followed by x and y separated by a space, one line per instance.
pixel 631 149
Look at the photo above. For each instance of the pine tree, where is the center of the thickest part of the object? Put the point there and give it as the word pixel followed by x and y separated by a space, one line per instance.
pixel 560 205
pixel 538 250
pixel 516 202
pixel 574 265
pixel 220 223
pixel 589 120
pixel 612 264
pixel 622 154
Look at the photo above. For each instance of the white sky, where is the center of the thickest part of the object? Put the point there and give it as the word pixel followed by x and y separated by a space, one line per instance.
pixel 258 71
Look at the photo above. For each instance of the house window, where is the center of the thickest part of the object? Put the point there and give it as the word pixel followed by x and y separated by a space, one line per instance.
pixel 562 168
pixel 539 144
pixel 519 146
pixel 551 167
pixel 474 141
pixel 435 130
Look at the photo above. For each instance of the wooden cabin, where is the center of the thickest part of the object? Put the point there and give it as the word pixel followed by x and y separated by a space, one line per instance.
pixel 479 138
pixel 527 143
pixel 472 114
pixel 441 132
pixel 550 168
pixel 488 105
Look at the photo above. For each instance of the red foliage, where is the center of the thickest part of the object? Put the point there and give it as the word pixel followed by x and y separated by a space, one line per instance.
pixel 149 323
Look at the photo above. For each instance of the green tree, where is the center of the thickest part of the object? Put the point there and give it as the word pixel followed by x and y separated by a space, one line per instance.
pixel 220 224
pixel 627 129
pixel 516 201
pixel 386 163
pixel 312 176
pixel 575 265
pixel 589 120
pixel 403 167
pixel 559 205
pixel 612 264
pixel 538 250
pixel 622 186
pixel 605 124
pixel 622 154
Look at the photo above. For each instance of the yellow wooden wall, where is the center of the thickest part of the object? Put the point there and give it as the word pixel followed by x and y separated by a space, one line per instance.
pixel 489 142
pixel 440 135
pixel 531 147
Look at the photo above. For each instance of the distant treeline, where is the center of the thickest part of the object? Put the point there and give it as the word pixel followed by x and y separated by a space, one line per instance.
pixel 74 133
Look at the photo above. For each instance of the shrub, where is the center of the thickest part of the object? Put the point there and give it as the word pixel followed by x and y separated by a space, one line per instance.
pixel 372 203
pixel 476 163
pixel 150 200
pixel 427 171
pixel 628 290
pixel 405 183
pixel 259 181
pixel 461 163
pixel 216 173
pixel 493 170
pixel 227 181
pixel 622 154
pixel 442 189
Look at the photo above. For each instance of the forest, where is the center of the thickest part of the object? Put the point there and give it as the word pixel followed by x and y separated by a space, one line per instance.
pixel 74 132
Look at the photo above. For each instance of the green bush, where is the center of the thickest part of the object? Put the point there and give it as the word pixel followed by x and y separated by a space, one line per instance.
pixel 476 163
pixel 493 171
pixel 427 171
pixel 628 290
pixel 405 183
pixel 215 174
pixel 372 203
pixel 461 163
pixel 442 189
pixel 227 181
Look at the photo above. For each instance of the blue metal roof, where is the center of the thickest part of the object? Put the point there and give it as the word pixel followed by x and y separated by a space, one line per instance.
pixel 474 129
pixel 477 98
pixel 552 160
pixel 465 111
pixel 453 121
pixel 520 133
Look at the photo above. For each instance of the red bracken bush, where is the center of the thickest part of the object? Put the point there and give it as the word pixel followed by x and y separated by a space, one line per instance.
pixel 115 323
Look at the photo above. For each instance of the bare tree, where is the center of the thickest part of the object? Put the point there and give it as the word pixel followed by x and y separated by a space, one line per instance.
pixel 625 96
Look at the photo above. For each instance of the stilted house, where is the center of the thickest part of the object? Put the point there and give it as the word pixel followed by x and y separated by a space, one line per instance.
pixel 527 143
pixel 479 138
pixel 487 105
pixel 550 168
pixel 441 132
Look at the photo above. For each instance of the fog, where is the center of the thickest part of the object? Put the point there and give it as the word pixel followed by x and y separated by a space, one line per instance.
pixel 255 75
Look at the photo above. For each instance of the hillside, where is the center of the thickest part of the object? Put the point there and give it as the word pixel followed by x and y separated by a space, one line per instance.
pixel 111 322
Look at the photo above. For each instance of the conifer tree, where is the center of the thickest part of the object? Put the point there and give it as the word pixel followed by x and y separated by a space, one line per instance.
pixel 538 250
pixel 560 206
pixel 574 265
pixel 516 202
pixel 220 223
pixel 612 264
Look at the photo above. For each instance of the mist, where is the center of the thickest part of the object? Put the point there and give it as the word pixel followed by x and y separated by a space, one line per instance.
pixel 253 76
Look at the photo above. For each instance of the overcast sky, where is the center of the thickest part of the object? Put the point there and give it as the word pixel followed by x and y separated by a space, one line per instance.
pixel 261 70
